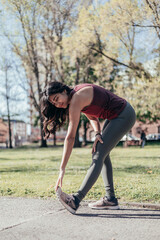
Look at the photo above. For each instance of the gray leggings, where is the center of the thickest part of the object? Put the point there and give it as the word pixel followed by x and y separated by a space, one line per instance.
pixel 112 133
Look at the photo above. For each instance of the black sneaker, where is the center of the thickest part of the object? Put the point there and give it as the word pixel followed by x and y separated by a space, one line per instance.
pixel 68 201
pixel 104 203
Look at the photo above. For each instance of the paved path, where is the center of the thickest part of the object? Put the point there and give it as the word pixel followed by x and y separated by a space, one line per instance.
pixel 34 219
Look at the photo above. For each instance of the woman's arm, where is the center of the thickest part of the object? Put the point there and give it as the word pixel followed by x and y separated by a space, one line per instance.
pixel 94 123
pixel 74 116
pixel 96 126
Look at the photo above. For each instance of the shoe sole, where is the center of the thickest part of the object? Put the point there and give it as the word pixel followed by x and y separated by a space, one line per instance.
pixel 71 210
pixel 105 207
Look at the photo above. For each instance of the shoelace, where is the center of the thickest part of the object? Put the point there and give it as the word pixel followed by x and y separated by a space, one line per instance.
pixel 105 200
pixel 69 198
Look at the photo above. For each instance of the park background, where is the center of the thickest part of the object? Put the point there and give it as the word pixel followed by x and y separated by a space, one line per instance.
pixel 115 44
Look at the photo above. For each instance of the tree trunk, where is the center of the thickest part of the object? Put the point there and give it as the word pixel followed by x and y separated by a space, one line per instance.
pixel 9 125
pixel 85 132
pixel 43 141
pixel 10 132
pixel 77 70
pixel 54 139
pixel 8 110
pixel 77 142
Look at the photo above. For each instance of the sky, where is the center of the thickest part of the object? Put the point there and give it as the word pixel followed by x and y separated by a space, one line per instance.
pixel 19 108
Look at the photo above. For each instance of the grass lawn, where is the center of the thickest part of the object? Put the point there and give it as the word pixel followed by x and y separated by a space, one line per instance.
pixel 31 172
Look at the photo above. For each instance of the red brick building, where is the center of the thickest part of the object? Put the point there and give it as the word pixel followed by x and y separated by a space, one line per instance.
pixel 3 132
pixel 149 128
pixel 18 129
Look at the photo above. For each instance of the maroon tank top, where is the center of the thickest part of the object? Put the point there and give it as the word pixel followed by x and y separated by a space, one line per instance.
pixel 105 104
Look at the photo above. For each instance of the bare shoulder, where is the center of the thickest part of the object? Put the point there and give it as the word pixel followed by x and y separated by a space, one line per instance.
pixel 83 97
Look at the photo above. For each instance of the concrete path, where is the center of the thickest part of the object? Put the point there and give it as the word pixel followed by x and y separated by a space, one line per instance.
pixel 35 219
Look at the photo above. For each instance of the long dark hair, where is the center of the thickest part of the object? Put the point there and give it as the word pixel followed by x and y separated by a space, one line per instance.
pixel 53 118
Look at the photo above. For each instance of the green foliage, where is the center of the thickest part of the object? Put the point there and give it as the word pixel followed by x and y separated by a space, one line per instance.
pixel 65 41
pixel 143 94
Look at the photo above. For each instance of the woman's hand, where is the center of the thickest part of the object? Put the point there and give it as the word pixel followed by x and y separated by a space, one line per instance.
pixel 60 179
pixel 98 139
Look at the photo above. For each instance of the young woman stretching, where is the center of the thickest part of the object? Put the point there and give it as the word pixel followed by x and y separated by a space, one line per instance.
pixel 59 101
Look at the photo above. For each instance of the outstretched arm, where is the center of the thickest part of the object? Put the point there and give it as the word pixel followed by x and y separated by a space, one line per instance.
pixel 74 116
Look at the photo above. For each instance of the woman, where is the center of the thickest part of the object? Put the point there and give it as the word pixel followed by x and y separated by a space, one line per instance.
pixel 59 101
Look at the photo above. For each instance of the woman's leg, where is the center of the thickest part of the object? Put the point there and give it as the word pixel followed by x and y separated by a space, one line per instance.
pixel 111 135
pixel 107 172
pixel 107 175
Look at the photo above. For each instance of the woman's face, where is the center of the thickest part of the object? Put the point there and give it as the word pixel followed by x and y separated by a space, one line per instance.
pixel 59 100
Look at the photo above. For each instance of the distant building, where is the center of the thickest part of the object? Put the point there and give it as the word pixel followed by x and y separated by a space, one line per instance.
pixel 149 128
pixel 3 133
pixel 36 135
pixel 19 132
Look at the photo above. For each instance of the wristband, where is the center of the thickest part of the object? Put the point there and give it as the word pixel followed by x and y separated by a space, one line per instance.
pixel 98 134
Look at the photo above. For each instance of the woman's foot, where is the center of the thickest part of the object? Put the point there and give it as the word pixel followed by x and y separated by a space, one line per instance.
pixel 104 203
pixel 68 201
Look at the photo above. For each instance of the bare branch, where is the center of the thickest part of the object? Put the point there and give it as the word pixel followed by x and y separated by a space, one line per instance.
pixel 110 58
pixel 145 26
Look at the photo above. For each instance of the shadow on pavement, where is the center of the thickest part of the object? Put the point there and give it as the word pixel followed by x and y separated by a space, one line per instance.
pixel 143 215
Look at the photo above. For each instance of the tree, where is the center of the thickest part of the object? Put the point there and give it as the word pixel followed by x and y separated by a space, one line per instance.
pixel 150 16
pixel 7 97
pixel 10 94
pixel 85 67
pixel 112 31
pixel 108 30
pixel 43 24
pixel 142 90
pixel 85 122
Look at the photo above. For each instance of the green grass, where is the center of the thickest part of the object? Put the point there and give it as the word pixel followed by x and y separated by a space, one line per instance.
pixel 30 172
